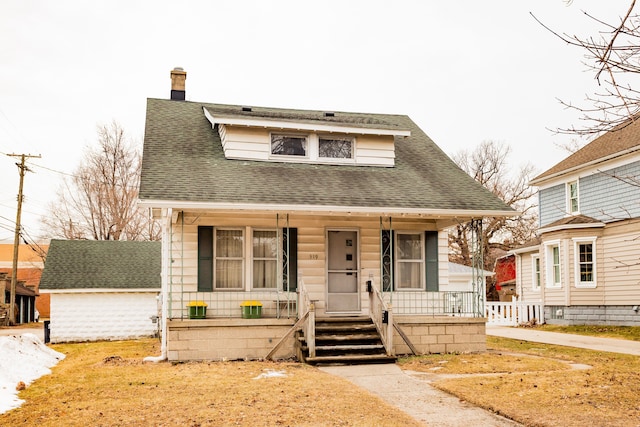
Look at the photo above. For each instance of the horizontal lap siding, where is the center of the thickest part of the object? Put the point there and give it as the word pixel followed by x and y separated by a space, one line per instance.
pixel 525 278
pixel 552 202
pixel 607 198
pixel 622 263
pixel 255 144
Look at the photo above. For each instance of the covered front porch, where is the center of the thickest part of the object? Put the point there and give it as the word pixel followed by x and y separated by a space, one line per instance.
pixel 402 295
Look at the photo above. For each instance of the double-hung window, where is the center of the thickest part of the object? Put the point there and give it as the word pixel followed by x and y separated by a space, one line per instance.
pixel 585 262
pixel 229 259
pixel 265 259
pixel 535 269
pixel 572 197
pixel 553 275
pixel 410 260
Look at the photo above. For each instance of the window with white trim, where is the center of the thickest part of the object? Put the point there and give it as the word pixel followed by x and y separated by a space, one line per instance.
pixel 410 260
pixel 553 276
pixel 535 270
pixel 573 205
pixel 289 145
pixel 585 262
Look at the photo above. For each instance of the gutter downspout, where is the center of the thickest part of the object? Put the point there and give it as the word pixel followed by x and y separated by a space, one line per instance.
pixel 164 288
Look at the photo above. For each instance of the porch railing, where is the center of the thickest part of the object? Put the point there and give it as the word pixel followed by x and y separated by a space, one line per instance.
pixel 382 316
pixel 275 304
pixel 514 313
pixel 444 303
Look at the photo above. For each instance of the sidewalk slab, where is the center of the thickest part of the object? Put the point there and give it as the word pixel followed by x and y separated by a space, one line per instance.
pixel 569 340
pixel 417 397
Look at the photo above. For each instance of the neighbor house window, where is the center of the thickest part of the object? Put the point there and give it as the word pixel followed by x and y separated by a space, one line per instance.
pixel 585 263
pixel 265 259
pixel 535 269
pixel 229 259
pixel 572 197
pixel 289 145
pixel 410 260
pixel 553 265
pixel 335 147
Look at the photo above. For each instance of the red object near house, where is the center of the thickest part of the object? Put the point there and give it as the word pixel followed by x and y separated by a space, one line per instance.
pixel 505 270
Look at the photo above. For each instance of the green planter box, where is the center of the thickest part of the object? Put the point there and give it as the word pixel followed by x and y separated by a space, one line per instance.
pixel 197 310
pixel 251 309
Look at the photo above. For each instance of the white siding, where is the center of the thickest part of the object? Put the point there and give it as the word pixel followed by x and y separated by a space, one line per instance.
pixel 246 143
pixel 621 263
pixel 102 316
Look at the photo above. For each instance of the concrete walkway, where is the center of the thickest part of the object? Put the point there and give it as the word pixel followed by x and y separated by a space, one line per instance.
pixel 569 340
pixel 417 397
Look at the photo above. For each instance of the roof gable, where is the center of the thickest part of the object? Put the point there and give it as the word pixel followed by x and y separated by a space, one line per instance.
pixel 618 142
pixel 99 264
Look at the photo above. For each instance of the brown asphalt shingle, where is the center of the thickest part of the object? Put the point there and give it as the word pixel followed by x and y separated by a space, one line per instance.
pixel 625 138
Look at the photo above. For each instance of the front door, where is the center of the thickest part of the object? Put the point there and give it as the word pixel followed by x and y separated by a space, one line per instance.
pixel 343 293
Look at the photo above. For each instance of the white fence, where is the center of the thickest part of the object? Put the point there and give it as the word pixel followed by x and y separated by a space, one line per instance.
pixel 513 313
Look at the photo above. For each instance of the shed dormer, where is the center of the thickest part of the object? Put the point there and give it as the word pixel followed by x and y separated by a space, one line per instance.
pixel 249 133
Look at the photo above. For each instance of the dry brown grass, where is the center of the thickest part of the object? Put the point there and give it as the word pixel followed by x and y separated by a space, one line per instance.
pixel 107 384
pixel 532 383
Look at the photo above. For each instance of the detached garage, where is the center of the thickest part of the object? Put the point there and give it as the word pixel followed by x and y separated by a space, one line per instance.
pixel 102 290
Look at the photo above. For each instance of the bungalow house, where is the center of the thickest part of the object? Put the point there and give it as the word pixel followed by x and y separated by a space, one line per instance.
pixel 586 267
pixel 102 290
pixel 294 226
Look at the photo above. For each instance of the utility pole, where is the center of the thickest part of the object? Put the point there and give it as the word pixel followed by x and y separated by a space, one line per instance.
pixel 16 238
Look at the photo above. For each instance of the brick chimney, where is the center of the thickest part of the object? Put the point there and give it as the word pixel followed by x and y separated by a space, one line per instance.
pixel 178 78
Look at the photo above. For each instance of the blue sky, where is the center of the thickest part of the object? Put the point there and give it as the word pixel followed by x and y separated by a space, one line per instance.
pixel 464 71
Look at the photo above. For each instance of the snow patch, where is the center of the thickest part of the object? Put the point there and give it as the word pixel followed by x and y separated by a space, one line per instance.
pixel 23 358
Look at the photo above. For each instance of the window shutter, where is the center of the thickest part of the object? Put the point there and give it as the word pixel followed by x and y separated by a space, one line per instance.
pixel 431 260
pixel 205 259
pixel 290 256
pixel 386 237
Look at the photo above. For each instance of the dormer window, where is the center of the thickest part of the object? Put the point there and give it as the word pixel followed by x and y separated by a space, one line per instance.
pixel 335 147
pixel 288 145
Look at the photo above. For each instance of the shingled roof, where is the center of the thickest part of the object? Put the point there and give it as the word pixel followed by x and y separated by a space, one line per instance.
pixel 623 140
pixel 99 264
pixel 183 161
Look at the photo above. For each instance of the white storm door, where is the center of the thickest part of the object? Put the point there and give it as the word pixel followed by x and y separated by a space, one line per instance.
pixel 342 272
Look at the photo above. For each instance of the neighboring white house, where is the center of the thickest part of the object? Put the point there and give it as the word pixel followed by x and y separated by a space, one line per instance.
pixel 586 268
pixel 102 290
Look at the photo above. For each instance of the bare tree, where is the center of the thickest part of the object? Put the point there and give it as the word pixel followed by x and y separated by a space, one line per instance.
pixel 98 202
pixel 614 57
pixel 487 164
